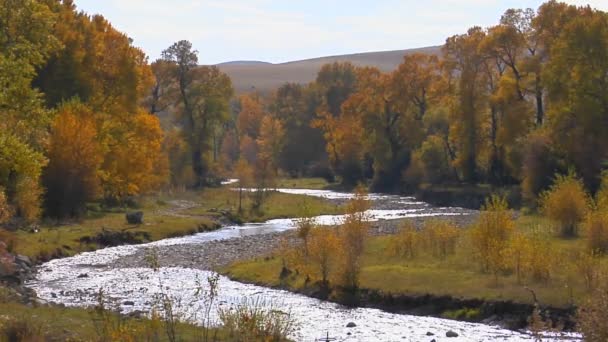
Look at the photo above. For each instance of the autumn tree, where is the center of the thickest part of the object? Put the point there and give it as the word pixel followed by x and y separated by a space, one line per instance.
pixel 468 99
pixel 270 143
pixel 136 162
pixel 566 203
pixel 352 235
pixel 72 176
pixel 576 78
pixel 244 173
pixel 389 127
pixel 322 246
pixel 491 233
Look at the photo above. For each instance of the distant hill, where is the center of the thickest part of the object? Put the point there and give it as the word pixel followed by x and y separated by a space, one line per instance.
pixel 265 77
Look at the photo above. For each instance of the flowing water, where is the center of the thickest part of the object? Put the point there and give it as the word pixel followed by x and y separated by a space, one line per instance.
pixel 77 280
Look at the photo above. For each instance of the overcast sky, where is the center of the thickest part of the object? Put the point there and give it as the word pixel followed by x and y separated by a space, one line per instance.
pixel 286 30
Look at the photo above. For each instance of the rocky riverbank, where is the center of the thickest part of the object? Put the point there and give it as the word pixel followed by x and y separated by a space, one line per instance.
pixel 214 255
pixel 15 270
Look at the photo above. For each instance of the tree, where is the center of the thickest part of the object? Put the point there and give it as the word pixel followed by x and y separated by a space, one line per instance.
pixel 576 78
pixel 251 115
pixel 20 170
pixel 244 173
pixel 464 65
pixel 25 44
pixel 344 136
pixel 203 96
pixel 322 253
pixel 135 162
pixel 336 82
pixel 75 157
pixel 296 106
pixel 271 141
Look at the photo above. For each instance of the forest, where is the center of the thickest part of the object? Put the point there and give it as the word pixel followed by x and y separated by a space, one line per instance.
pixel 89 121
pixel 513 104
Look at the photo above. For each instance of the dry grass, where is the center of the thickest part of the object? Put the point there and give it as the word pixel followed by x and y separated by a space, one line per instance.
pixel 457 275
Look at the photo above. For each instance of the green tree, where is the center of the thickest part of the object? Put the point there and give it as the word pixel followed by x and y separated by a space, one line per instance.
pixel 578 90
pixel 203 99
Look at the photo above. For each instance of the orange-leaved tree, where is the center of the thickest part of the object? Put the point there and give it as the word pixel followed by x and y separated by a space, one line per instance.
pixel 75 156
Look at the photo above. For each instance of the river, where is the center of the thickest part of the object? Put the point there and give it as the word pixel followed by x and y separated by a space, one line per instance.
pixel 75 281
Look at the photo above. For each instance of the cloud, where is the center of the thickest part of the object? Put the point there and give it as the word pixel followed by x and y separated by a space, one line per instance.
pixel 278 31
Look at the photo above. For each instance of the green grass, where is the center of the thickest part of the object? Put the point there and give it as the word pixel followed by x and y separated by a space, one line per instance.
pixel 458 275
pixel 304 183
pixel 70 324
pixel 276 205
pixel 160 221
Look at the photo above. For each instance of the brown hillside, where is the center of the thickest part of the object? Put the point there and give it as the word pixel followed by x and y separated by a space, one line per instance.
pixel 265 77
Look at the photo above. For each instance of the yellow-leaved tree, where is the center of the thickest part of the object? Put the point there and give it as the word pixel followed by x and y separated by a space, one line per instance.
pixel 134 162
pixel 352 236
pixel 75 156
pixel 491 233
pixel 566 203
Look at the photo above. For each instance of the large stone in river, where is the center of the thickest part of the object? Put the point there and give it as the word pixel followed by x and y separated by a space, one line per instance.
pixel 451 334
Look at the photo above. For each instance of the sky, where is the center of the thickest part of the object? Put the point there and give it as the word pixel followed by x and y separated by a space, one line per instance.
pixel 286 30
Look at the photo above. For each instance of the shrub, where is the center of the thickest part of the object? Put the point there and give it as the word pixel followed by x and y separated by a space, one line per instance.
pixel 587 266
pixel 322 252
pixel 597 231
pixel 5 208
pixel 519 250
pixel 434 158
pixel 601 197
pixel 539 163
pixel 406 242
pixel 253 320
pixel 491 233
pixel 540 257
pixel 591 316
pixel 566 203
pixel 21 329
pixel 352 237
pixel 9 240
pixel 440 237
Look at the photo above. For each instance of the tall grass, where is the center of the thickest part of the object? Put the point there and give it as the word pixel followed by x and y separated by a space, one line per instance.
pixel 255 320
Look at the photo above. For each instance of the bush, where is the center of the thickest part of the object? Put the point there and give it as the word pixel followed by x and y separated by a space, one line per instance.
pixel 540 257
pixel 322 252
pixel 591 316
pixel 21 329
pixel 435 160
pixel 9 240
pixel 406 242
pixel 253 320
pixel 566 203
pixel 440 237
pixel 539 163
pixel 352 236
pixel 597 231
pixel 587 266
pixel 491 233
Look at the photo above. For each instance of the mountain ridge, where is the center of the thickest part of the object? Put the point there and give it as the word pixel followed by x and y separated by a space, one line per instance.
pixel 264 77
